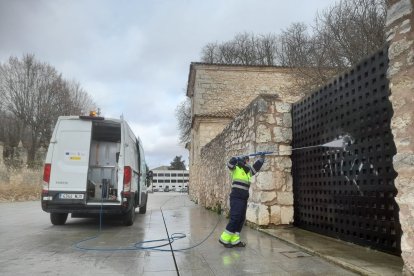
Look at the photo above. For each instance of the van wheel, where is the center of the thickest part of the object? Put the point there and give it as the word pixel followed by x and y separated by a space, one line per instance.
pixel 143 209
pixel 58 218
pixel 130 216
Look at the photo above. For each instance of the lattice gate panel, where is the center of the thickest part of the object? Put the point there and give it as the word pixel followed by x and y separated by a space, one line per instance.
pixel 348 193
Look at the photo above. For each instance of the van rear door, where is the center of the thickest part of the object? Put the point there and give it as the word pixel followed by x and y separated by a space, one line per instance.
pixel 71 156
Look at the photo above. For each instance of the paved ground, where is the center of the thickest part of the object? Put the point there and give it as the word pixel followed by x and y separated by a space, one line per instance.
pixel 30 245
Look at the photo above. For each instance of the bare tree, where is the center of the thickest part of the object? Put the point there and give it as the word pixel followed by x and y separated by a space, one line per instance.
pixel 351 30
pixel 342 35
pixel 183 115
pixel 11 129
pixel 209 52
pixel 81 102
pixel 244 48
pixel 266 48
pixel 36 94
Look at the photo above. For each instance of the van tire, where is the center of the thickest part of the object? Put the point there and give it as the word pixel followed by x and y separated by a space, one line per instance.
pixel 143 209
pixel 129 217
pixel 58 218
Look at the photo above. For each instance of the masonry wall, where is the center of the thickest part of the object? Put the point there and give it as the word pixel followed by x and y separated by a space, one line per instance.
pixel 224 88
pixel 204 130
pixel 222 91
pixel 265 125
pixel 400 35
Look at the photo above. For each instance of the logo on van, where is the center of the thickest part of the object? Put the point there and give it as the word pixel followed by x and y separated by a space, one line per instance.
pixel 75 155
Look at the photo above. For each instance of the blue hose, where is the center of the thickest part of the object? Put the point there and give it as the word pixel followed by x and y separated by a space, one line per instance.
pixel 140 245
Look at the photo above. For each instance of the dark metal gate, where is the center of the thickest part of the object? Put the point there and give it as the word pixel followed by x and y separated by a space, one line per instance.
pixel 348 193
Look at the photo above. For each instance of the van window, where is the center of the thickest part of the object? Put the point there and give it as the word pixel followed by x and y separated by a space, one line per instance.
pixel 106 131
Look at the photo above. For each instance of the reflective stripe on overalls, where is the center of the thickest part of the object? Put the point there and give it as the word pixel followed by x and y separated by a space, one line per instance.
pixel 240 178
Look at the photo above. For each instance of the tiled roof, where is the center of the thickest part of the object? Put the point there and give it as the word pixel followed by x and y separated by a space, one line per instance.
pixel 238 65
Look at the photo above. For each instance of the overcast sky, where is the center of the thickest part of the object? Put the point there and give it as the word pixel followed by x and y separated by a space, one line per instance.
pixel 133 57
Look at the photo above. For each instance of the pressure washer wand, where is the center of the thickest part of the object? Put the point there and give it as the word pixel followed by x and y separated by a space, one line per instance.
pixel 261 153
pixel 339 143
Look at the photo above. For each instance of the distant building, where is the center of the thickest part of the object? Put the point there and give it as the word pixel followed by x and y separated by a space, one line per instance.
pixel 174 179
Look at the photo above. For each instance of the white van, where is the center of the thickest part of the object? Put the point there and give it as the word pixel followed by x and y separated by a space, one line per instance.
pixel 94 165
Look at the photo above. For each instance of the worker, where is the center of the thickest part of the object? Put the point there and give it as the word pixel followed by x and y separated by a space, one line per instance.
pixel 241 173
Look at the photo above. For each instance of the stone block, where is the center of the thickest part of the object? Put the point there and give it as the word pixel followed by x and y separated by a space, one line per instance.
pixel 283 163
pixel 398 47
pixel 270 119
pixel 265 196
pixel 283 107
pixel 287 120
pixel 285 150
pixel 282 134
pixel 405 26
pixel 286 214
pixel 285 198
pixel 275 215
pixel 252 212
pixel 258 214
pixel 288 182
pixel 263 217
pixel 264 181
pixel 279 121
pixel 279 180
pixel 398 10
pixel 263 134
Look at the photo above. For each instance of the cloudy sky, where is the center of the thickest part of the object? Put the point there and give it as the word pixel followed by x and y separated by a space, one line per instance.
pixel 133 57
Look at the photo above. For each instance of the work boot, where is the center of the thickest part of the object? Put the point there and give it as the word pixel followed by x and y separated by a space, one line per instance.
pixel 240 244
pixel 226 245
pixel 225 238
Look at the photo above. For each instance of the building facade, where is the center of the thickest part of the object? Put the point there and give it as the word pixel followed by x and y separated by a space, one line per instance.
pixel 174 180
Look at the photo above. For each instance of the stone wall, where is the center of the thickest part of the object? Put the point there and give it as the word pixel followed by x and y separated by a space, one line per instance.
pixel 400 35
pixel 204 130
pixel 219 92
pixel 218 89
pixel 265 125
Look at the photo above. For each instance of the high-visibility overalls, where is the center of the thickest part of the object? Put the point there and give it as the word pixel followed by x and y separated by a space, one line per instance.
pixel 238 202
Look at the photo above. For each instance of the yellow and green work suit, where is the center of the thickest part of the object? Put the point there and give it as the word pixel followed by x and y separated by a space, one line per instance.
pixel 241 175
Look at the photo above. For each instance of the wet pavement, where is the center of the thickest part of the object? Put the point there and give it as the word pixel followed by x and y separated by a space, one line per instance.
pixel 362 260
pixel 30 245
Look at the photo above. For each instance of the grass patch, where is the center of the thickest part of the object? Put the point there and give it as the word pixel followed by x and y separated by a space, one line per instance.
pixel 20 185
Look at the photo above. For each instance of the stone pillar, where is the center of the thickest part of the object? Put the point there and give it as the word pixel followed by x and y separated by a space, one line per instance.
pixel 272 194
pixel 400 35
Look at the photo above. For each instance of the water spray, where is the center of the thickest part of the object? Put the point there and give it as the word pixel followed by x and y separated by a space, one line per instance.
pixel 340 143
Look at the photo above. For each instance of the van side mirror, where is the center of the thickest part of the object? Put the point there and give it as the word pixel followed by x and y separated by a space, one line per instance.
pixel 117 157
pixel 149 178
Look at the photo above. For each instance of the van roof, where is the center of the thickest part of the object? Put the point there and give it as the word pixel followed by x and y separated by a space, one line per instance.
pixel 77 118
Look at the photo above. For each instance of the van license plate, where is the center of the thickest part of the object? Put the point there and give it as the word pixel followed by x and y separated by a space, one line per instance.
pixel 71 196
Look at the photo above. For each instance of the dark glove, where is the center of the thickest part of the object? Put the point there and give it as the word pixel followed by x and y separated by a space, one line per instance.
pixel 233 161
pixel 262 158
